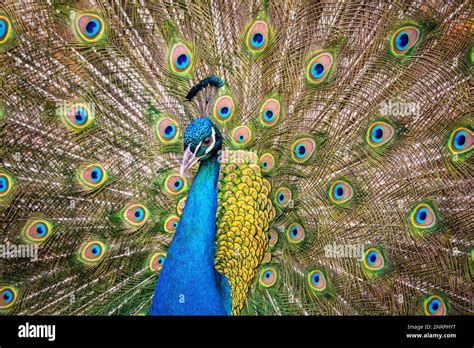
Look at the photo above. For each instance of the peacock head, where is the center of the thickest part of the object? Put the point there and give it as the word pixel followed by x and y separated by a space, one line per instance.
pixel 201 140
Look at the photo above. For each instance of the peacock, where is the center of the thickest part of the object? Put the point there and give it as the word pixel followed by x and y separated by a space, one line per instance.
pixel 261 157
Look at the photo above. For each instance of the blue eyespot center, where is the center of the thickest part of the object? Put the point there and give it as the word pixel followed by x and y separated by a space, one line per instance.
pixel 270 236
pixel 460 140
pixel 300 151
pixel 267 274
pixel 92 27
pixel 402 40
pixel 3 184
pixel 371 258
pixel 294 231
pixel 139 213
pixel 377 134
pixel 241 138
pixel 80 116
pixel 178 184
pixel 7 295
pixel 264 164
pixel 268 115
pixel 281 197
pixel 95 250
pixel 317 70
pixel 257 40
pixel 175 225
pixel 41 229
pixel 338 191
pixel 3 27
pixel 182 61
pixel 421 215
pixel 224 111
pixel 161 260
pixel 316 278
pixel 96 174
pixel 434 306
pixel 169 131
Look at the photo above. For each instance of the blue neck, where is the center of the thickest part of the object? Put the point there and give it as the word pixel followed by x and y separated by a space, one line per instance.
pixel 188 283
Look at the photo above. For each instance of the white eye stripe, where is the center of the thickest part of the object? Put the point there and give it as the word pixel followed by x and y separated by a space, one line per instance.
pixel 197 148
pixel 213 141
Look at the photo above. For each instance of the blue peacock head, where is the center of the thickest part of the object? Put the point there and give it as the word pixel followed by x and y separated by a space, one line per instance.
pixel 202 140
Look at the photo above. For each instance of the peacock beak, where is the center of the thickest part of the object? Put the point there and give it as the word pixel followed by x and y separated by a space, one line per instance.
pixel 189 159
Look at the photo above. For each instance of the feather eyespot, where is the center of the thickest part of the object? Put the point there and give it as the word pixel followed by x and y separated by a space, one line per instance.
pixel 268 277
pixel 171 223
pixel 168 130
pixel 317 280
pixel 423 216
pixel 157 261
pixel 78 116
pixel 5 184
pixel 302 150
pixel 283 197
pixel 181 59
pixel 272 238
pixel 175 184
pixel 6 30
pixel 93 176
pixel 267 162
pixel 8 296
pixel 434 306
pixel 241 136
pixel 136 214
pixel 295 233
pixel 340 192
pixel 379 133
pixel 270 112
pixel 223 108
pixel 90 27
pixel 93 252
pixel 404 39
pixel 37 231
pixel 257 37
pixel 319 67
pixel 461 141
pixel 373 260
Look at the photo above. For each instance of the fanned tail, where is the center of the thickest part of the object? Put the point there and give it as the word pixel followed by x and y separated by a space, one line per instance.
pixel 360 114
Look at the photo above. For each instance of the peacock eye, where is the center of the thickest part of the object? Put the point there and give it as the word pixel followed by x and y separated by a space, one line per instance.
pixel 319 67
pixel 268 277
pixel 37 231
pixel 404 39
pixel 90 27
pixel 181 58
pixel 207 141
pixel 157 261
pixel 92 252
pixel 435 306
pixel 340 192
pixel 257 37
pixel 317 280
pixel 8 297
pixel 461 141
pixel 423 216
pixel 295 233
pixel 379 133
pixel 136 214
